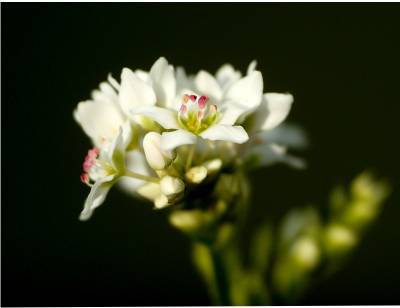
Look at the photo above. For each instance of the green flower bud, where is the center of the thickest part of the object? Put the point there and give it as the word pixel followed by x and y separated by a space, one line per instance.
pixel 366 188
pixel 305 253
pixel 188 221
pixel 360 213
pixel 339 239
pixel 213 165
pixel 161 202
pixel 171 186
pixel 196 175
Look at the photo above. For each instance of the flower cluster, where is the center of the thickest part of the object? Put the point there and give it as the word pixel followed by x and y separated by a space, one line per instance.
pixel 162 134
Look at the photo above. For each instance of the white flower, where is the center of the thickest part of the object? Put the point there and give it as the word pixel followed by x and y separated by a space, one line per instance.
pixel 142 88
pixel 104 168
pixel 209 110
pixel 269 140
pixel 224 117
pixel 272 111
pixel 101 117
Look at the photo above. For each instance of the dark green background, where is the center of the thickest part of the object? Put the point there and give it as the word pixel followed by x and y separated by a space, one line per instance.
pixel 341 62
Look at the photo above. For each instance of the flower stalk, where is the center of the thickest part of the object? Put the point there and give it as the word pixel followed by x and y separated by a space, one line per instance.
pixel 138 176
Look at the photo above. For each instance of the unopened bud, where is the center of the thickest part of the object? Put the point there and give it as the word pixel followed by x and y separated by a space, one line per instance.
pixel 156 157
pixel 197 174
pixel 368 189
pixel 360 213
pixel 213 165
pixel 305 253
pixel 161 201
pixel 339 239
pixel 149 191
pixel 187 221
pixel 171 185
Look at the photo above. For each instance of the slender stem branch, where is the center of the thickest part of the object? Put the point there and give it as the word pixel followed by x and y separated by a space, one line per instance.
pixel 142 177
pixel 221 278
pixel 190 156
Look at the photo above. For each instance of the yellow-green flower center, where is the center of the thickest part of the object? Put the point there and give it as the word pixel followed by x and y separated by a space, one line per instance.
pixel 195 115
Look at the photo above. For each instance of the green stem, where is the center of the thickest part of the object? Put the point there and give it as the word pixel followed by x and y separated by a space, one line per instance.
pixel 220 279
pixel 190 156
pixel 142 177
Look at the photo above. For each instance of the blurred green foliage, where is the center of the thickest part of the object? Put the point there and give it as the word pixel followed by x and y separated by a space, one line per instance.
pixel 284 260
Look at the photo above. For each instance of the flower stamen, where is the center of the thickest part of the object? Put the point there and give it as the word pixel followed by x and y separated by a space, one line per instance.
pixel 195 114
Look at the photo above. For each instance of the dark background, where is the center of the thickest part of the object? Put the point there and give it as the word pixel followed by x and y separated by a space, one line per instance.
pixel 341 62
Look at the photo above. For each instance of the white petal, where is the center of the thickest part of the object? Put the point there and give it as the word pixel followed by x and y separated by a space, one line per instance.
pixel 100 120
pixel 105 93
pixel 134 92
pixel 145 76
pixel 165 117
pixel 100 96
pixel 107 88
pixel 226 75
pixel 247 92
pixel 231 112
pixel 270 153
pixel 207 85
pixel 273 110
pixel 117 148
pixel 235 134
pixel 171 140
pixel 164 83
pixel 96 196
pixel 113 82
pixel 285 134
pixel 183 81
pixel 156 157
pixel 136 162
pixel 252 67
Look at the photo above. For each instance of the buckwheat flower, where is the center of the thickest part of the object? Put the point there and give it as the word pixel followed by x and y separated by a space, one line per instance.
pixel 141 88
pixel 103 168
pixel 101 117
pixel 208 113
pixel 269 140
